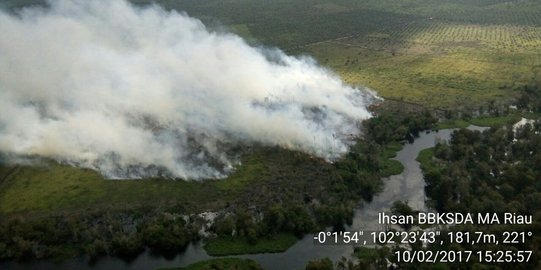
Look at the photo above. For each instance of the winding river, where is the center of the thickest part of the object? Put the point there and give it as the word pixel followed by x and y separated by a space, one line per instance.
pixel 407 186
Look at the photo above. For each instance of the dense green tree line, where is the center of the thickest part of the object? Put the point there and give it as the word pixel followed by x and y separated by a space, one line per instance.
pixel 121 234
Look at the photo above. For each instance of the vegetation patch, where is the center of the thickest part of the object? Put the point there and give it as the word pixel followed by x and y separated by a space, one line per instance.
pixel 221 264
pixel 449 124
pixel 392 167
pixel 484 121
pixel 425 158
pixel 495 121
pixel 223 245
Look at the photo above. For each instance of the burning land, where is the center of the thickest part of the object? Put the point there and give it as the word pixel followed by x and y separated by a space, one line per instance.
pixel 180 121
pixel 129 127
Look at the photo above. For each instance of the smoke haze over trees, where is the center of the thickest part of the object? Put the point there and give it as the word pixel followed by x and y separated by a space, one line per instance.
pixel 137 92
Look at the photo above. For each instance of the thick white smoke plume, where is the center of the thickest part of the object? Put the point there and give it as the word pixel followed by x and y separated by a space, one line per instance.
pixel 136 92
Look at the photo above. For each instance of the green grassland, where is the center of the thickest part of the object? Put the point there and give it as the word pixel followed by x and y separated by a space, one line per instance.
pixel 495 121
pixel 54 187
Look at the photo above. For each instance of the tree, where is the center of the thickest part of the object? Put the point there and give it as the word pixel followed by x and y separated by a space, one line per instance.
pixel 323 264
pixel 224 225
pixel 127 246
pixel 402 208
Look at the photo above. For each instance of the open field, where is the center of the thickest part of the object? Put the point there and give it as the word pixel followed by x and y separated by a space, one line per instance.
pixel 437 64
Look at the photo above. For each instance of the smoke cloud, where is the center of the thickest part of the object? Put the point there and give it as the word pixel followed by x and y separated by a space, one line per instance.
pixel 136 92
